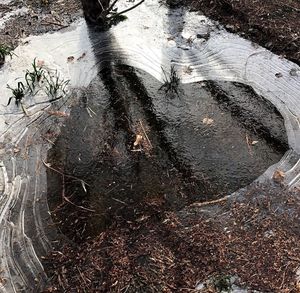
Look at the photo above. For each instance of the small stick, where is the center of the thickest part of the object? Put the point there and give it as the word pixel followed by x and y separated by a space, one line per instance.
pixel 81 207
pixel 249 145
pixel 112 5
pixel 24 109
pixel 54 23
pixel 138 150
pixel 64 197
pixel 120 201
pixel 126 10
pixel 81 275
pixel 61 173
pixel 283 278
pixel 200 204
pixel 100 3
pixel 146 134
pixel 89 110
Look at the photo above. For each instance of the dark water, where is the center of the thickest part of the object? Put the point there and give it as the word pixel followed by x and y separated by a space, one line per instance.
pixel 197 146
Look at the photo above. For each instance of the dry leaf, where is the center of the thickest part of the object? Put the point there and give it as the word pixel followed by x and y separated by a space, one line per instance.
pixel 138 140
pixel 40 63
pixel 70 59
pixel 187 70
pixel 207 121
pixel 16 150
pixel 278 176
pixel 254 142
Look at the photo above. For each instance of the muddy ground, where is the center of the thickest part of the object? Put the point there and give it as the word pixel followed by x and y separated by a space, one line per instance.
pixel 165 251
pixel 272 24
pixel 38 17
pixel 161 249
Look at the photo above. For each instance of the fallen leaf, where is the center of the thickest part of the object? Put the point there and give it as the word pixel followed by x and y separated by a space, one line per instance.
pixel 207 121
pixel 254 142
pixel 40 63
pixel 16 150
pixel 278 176
pixel 293 72
pixel 138 140
pixel 187 69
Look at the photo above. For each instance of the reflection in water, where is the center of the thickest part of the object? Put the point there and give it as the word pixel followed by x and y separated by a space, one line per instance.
pixel 193 147
pixel 182 158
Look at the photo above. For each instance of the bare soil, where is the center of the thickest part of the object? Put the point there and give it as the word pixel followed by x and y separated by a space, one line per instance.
pixel 274 24
pixel 41 17
pixel 255 238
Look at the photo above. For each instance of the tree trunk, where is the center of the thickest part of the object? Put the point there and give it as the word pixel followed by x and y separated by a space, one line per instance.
pixel 92 9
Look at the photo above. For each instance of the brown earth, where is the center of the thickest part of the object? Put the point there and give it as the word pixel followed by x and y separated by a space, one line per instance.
pixel 42 16
pixel 255 238
pixel 274 24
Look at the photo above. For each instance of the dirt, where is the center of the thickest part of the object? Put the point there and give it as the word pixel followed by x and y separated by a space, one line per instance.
pixel 255 238
pixel 151 246
pixel 272 24
pixel 41 17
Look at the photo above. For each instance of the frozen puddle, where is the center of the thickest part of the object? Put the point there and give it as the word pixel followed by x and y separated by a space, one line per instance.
pixel 151 39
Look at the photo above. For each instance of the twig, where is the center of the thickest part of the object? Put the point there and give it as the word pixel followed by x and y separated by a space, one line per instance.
pixel 249 145
pixel 64 197
pixel 120 201
pixel 81 275
pixel 112 5
pixel 24 109
pixel 145 134
pixel 165 74
pixel 283 278
pixel 289 6
pixel 100 3
pixel 54 23
pixel 67 199
pixel 61 173
pixel 294 259
pixel 112 189
pixel 75 205
pixel 126 10
pixel 89 110
pixel 200 204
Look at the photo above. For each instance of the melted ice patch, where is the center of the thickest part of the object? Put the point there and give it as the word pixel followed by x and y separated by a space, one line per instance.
pixel 69 53
pixel 155 37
